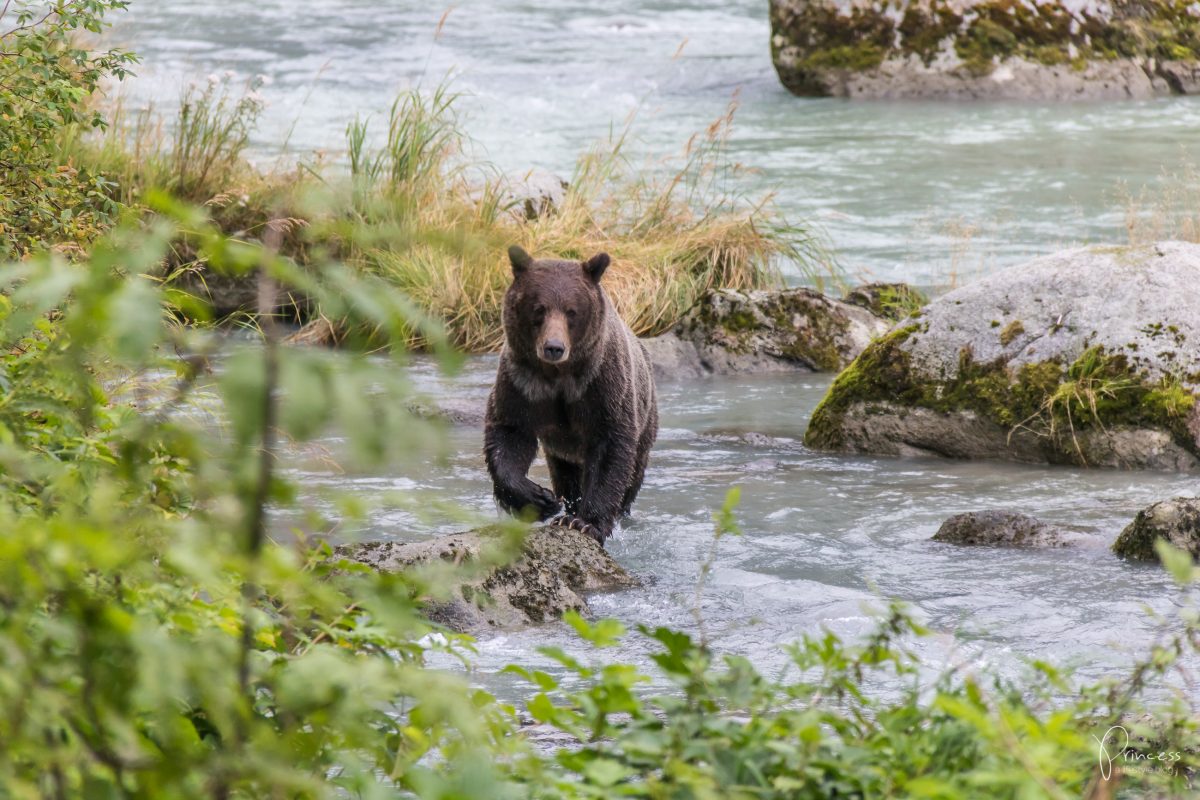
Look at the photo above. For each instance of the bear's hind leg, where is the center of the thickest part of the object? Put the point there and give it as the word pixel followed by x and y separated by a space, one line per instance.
pixel 567 480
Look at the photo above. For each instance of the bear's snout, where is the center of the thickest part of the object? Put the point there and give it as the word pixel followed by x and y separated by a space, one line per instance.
pixel 554 345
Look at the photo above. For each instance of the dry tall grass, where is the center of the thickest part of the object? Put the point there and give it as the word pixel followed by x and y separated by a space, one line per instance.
pixel 416 212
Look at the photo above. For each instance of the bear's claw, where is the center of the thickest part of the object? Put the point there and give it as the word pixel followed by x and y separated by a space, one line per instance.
pixel 576 524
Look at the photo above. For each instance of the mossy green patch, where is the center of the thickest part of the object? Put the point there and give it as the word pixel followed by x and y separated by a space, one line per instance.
pixel 924 28
pixel 1011 332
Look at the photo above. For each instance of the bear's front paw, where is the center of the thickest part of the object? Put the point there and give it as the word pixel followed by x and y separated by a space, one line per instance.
pixel 543 501
pixel 576 524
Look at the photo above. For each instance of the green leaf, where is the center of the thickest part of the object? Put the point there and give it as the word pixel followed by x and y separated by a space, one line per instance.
pixel 1177 562
pixel 135 311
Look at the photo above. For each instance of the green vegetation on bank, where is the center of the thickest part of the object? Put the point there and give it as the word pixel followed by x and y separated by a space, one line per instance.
pixel 163 634
pixel 45 80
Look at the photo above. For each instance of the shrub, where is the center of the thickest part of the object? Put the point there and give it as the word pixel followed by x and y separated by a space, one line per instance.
pixel 47 81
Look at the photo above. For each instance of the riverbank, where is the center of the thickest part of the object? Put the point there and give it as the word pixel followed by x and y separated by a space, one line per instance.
pixel 419 214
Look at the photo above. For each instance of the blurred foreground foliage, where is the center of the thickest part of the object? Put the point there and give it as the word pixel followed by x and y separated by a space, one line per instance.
pixel 161 637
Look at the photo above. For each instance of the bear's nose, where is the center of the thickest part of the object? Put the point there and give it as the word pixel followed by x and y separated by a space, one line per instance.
pixel 553 350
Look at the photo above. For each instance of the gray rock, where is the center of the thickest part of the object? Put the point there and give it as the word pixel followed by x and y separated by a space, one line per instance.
pixel 674 359
pixel 557 569
pixel 1052 50
pixel 1088 357
pixel 1176 520
pixel 791 330
pixel 1016 79
pixel 1003 529
pixel 1182 76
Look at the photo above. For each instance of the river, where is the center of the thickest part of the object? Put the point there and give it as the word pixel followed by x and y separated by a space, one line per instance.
pixel 923 193
pixel 827 539
pixel 927 193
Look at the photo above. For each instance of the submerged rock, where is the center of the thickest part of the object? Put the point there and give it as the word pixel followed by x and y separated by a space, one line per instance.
pixel 559 567
pixel 468 411
pixel 1088 357
pixel 984 49
pixel 730 332
pixel 1003 529
pixel 1176 520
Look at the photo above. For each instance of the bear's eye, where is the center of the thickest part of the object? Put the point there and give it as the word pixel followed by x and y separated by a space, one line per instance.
pixel 570 313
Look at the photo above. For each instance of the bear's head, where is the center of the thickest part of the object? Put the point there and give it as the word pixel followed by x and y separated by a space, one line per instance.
pixel 554 310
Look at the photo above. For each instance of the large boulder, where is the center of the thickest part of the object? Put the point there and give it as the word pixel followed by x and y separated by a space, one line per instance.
pixel 1177 521
pixel 557 569
pixel 792 330
pixel 1088 357
pixel 1004 529
pixel 985 49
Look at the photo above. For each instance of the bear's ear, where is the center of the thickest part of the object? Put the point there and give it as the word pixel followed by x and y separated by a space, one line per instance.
pixel 595 266
pixel 520 260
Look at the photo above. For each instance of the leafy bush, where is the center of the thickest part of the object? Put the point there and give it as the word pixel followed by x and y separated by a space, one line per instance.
pixel 47 80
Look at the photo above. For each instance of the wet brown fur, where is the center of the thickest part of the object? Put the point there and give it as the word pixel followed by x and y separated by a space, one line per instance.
pixel 594 413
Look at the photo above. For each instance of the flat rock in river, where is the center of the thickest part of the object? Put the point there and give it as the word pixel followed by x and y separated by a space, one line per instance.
pixel 556 571
pixel 1004 529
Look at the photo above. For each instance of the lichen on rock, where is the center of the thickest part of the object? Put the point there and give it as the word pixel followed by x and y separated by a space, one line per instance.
pixel 730 332
pixel 950 49
pixel 1089 357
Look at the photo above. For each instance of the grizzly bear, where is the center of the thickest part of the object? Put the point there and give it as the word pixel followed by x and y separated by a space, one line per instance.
pixel 575 379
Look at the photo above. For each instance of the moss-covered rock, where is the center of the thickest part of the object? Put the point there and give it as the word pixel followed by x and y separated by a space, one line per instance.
pixel 730 332
pixel 1177 521
pixel 1045 49
pixel 557 569
pixel 1089 357
pixel 892 301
